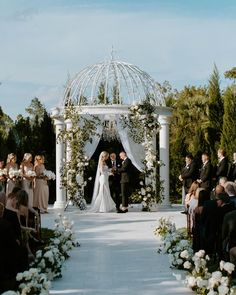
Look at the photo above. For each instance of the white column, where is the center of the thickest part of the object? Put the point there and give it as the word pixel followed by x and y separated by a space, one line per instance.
pixel 164 159
pixel 60 154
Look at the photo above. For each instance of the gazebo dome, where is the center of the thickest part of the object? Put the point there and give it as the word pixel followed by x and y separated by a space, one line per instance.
pixel 111 83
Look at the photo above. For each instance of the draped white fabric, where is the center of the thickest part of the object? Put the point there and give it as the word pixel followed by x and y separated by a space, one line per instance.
pixel 134 150
pixel 90 147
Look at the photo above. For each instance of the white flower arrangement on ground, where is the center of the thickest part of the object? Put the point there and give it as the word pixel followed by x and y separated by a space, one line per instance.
pixel 49 261
pixel 199 279
pixel 49 174
pixel 146 195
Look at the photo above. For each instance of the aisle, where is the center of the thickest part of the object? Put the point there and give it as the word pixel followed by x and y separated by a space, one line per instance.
pixel 117 256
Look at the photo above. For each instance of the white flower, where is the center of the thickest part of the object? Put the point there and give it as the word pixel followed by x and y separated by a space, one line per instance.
pixel 223 290
pixel 187 265
pixel 211 292
pixel 191 281
pixel 200 253
pixel 10 293
pixel 217 275
pixel 184 254
pixel 141 183
pixel 19 277
pixel 229 267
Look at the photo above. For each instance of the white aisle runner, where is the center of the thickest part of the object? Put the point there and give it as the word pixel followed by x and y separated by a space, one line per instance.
pixel 117 256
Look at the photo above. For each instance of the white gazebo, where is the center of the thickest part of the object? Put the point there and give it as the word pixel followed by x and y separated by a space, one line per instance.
pixel 107 90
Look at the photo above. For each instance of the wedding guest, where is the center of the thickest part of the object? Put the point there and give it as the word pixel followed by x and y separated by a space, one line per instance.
pixel 222 181
pixel 230 189
pixel 219 189
pixel 2 197
pixel 229 235
pixel 11 177
pixel 3 177
pixel 188 174
pixel 205 179
pixel 198 225
pixel 190 195
pixel 41 191
pixel 222 167
pixel 27 170
pixel 114 180
pixel 232 169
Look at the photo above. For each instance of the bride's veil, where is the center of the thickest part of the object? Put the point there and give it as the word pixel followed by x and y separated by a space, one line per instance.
pixel 96 183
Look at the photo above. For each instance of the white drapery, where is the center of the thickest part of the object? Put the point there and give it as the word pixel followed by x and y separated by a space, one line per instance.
pixel 134 150
pixel 90 146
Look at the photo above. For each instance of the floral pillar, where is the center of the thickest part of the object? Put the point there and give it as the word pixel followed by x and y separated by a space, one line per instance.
pixel 60 193
pixel 164 159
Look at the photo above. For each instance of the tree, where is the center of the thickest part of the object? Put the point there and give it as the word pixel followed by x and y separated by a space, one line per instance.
pixel 35 110
pixel 228 139
pixel 231 74
pixel 216 112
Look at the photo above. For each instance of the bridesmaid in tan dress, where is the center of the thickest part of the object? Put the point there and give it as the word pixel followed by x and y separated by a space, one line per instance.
pixel 27 170
pixel 41 191
pixel 11 166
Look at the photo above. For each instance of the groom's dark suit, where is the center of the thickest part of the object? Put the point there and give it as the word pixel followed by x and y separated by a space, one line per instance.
pixel 124 181
pixel 114 182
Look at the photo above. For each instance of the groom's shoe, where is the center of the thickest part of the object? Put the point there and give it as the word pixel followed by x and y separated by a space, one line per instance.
pixel 125 210
pixel 119 211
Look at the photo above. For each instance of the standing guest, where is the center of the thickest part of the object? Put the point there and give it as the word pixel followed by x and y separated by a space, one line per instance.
pixel 232 169
pixel 229 235
pixel 188 174
pixel 114 180
pixel 3 177
pixel 11 177
pixel 41 191
pixel 206 172
pixel 125 180
pixel 27 176
pixel 222 167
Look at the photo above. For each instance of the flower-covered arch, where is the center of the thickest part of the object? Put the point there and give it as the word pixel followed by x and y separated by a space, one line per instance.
pixel 120 95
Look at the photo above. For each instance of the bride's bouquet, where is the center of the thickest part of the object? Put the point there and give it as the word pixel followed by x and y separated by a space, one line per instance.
pixel 49 174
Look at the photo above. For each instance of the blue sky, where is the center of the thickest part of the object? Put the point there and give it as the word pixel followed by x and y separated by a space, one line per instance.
pixel 44 40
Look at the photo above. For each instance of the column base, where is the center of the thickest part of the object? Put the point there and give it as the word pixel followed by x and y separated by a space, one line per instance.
pixel 164 207
pixel 59 205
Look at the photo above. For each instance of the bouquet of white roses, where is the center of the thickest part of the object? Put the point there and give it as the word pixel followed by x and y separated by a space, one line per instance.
pixel 3 172
pixel 30 173
pixel 15 173
pixel 49 174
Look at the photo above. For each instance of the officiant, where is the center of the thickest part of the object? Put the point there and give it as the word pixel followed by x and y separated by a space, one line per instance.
pixel 114 180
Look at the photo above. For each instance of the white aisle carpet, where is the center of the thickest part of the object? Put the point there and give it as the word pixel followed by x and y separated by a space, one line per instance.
pixel 117 255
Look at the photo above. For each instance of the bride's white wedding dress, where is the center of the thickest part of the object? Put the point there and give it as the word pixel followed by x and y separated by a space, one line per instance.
pixel 102 200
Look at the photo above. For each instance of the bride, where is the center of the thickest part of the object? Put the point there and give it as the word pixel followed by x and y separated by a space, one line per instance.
pixel 102 200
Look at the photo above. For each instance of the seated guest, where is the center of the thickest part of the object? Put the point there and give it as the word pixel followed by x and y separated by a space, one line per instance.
pixel 222 181
pixel 222 167
pixel 190 195
pixel 231 191
pixel 219 189
pixel 198 226
pixel 2 196
pixel 229 235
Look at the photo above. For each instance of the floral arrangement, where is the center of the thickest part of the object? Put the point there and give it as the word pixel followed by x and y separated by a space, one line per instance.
pixel 49 261
pixel 49 174
pixel 146 195
pixel 3 172
pixel 199 278
pixel 30 173
pixel 15 173
pixel 143 126
pixel 81 131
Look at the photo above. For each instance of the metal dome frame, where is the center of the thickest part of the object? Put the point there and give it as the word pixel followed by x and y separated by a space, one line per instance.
pixel 116 82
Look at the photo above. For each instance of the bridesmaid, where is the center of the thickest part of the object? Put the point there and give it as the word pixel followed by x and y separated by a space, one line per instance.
pixel 27 170
pixel 11 179
pixel 2 177
pixel 41 191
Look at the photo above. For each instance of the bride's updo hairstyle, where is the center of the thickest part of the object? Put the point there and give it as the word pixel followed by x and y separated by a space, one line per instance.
pixel 103 156
pixel 26 157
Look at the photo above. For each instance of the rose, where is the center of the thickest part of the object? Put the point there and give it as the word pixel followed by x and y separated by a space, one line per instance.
pixel 223 290
pixel 187 265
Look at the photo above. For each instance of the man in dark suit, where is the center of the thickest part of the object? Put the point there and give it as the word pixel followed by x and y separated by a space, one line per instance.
pixel 114 180
pixel 124 170
pixel 222 167
pixel 206 172
pixel 188 173
pixel 232 170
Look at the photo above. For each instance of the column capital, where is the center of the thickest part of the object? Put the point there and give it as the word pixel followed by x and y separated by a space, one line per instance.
pixel 164 120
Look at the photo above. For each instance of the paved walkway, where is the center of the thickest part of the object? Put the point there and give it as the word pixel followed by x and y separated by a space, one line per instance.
pixel 117 256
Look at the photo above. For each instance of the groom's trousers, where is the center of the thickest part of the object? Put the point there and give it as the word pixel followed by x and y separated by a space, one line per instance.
pixel 125 192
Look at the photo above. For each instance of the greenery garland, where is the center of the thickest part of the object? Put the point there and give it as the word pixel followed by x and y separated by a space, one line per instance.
pixel 143 126
pixel 81 131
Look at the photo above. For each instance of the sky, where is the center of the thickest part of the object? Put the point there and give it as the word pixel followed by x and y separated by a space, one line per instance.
pixel 44 41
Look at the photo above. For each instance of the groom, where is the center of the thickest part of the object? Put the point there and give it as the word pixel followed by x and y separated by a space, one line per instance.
pixel 114 180
pixel 125 180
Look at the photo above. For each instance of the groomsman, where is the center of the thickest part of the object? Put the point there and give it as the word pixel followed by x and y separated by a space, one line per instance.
pixel 114 180
pixel 222 167
pixel 125 180
pixel 232 170
pixel 206 172
pixel 188 173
